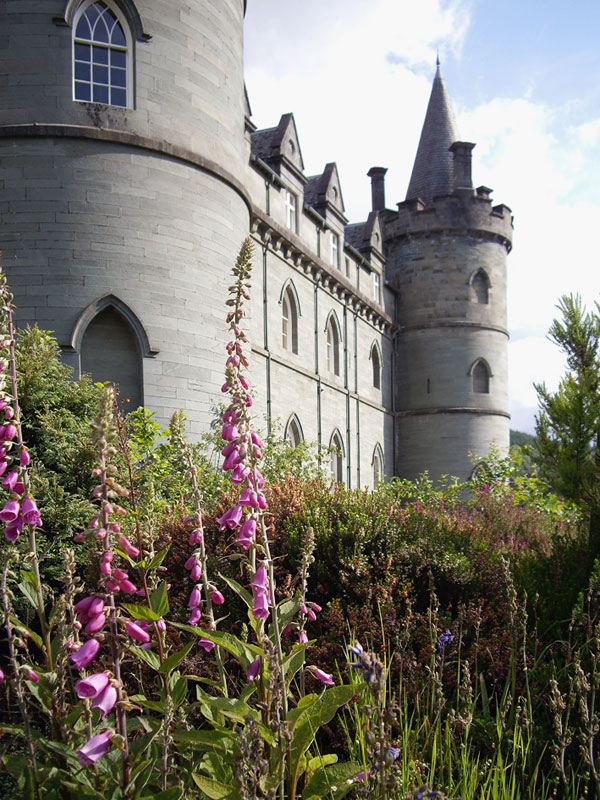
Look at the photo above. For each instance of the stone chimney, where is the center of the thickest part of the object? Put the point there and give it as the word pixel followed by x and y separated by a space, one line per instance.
pixel 377 175
pixel 462 164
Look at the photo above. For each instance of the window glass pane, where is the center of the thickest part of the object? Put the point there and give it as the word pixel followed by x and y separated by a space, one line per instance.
pixel 82 71
pixel 100 74
pixel 83 29
pixel 82 91
pixel 118 58
pixel 101 31
pixel 118 36
pixel 101 94
pixel 93 13
pixel 110 19
pixel 118 97
pixel 100 55
pixel 82 52
pixel 118 77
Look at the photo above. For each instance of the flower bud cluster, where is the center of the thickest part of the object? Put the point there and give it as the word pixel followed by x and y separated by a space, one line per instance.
pixel 21 509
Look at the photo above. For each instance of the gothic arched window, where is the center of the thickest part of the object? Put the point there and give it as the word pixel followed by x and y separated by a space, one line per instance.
pixel 289 320
pixel 377 464
pixel 102 55
pixel 376 364
pixel 333 346
pixel 480 373
pixel 336 463
pixel 293 431
pixel 481 287
pixel 110 352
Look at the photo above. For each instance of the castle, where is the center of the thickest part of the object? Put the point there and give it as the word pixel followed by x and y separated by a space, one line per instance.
pixel 130 173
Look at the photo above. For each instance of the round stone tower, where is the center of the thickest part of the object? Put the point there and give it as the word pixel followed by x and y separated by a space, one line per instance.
pixel 122 200
pixel 446 247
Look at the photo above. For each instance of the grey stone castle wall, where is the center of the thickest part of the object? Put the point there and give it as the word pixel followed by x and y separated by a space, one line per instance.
pixel 145 204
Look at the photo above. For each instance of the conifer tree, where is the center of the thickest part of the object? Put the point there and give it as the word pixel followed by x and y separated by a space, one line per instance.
pixel 568 423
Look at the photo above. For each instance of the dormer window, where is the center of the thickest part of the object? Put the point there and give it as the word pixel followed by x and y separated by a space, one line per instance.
pixel 334 250
pixel 334 193
pixel 101 55
pixel 291 213
pixel 292 146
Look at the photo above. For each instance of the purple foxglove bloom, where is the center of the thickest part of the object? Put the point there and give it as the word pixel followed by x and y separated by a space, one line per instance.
pixel 190 562
pixel 206 644
pixel 95 748
pixel 25 459
pixel 322 676
pixel 311 615
pixel 254 668
pixel 92 685
pixel 260 578
pixel 30 512
pixel 105 568
pixel 244 382
pixel 232 460
pixel 10 511
pixel 302 638
pixel 3 467
pixel 234 517
pixel 195 598
pixel 262 502
pixel 225 388
pixel 105 700
pixel 137 633
pixel 196 537
pixel 120 575
pixel 13 530
pixel 1 675
pixel 256 440
pixel 239 474
pixel 85 654
pixel 196 572
pixel 247 532
pixel 261 607
pixel 249 498
pixel 228 449
pixel 195 616
pixel 244 541
pixel 128 587
pixel 217 598
pixel 32 676
pixel 161 625
pixel 229 432
pixel 128 547
pixel 89 607
pixel 19 488
pixel 10 431
pixel 316 607
pixel 96 623
pixel 10 480
pixel 112 586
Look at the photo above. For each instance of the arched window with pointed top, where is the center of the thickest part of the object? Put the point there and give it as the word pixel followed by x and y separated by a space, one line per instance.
pixel 333 345
pixel 290 311
pixel 293 431
pixel 377 465
pixel 480 284
pixel 375 357
pixel 336 464
pixel 102 55
pixel 480 375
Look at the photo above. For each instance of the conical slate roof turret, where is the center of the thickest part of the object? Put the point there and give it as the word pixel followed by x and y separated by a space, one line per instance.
pixel 433 171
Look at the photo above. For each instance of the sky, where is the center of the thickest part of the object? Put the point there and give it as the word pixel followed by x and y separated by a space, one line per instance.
pixel 523 79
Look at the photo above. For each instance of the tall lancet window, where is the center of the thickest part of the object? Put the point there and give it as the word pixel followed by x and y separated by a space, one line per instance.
pixel 102 54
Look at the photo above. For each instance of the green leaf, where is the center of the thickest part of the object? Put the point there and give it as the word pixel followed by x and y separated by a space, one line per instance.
pixel 239 590
pixel 153 705
pixel 214 789
pixel 312 718
pixel 320 762
pixel 159 600
pixel 145 655
pixel 141 612
pixel 179 691
pixel 29 592
pixel 175 659
pixel 286 611
pixel 332 781
pixel 294 662
pixel 34 636
pixel 157 559
pixel 211 740
pixel 243 652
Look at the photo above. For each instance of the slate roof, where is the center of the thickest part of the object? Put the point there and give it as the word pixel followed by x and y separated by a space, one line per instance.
pixel 262 142
pixel 354 235
pixel 433 171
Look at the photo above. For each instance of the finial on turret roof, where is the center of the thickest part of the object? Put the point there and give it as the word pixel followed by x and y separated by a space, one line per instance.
pixel 437 59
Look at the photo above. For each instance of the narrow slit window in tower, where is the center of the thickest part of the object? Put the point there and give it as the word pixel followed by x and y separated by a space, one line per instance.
pixel 481 286
pixel 481 378
pixel 333 347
